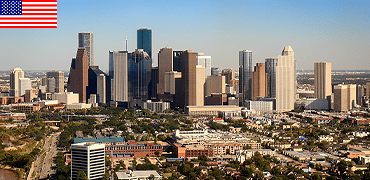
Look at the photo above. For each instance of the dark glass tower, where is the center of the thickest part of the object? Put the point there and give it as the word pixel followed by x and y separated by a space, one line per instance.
pixel 270 69
pixel 144 40
pixel 245 75
pixel 85 40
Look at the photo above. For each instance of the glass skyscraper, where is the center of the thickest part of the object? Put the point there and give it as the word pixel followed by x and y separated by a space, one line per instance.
pixel 85 40
pixel 144 40
pixel 245 75
pixel 270 69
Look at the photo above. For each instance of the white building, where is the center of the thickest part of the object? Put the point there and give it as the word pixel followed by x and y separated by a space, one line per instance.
pixel 78 106
pixel 88 157
pixel 360 134
pixel 264 106
pixel 138 175
pixel 326 138
pixel 66 97
pixel 15 74
pixel 242 155
pixel 24 84
pixel 119 70
pixel 156 106
pixel 285 80
pixel 364 160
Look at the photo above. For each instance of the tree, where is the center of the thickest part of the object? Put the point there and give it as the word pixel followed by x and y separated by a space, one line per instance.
pixel 81 175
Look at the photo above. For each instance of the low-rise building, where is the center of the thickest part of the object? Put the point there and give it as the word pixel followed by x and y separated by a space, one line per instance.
pixel 242 155
pixel 156 106
pixel 138 175
pixel 325 138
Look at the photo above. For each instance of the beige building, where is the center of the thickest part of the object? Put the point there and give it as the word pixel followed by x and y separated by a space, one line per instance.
pixel 120 76
pixel 31 94
pixel 170 80
pixel 258 81
pixel 344 97
pixel 165 65
pixel 59 80
pixel 66 97
pixel 368 89
pixel 322 80
pixel 209 110
pixel 285 80
pixel 15 75
pixel 200 80
pixel 229 75
pixel 215 84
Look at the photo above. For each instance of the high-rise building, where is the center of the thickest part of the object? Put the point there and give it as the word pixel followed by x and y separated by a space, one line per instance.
pixel 97 84
pixel 85 40
pixel 200 80
pixel 59 80
pixel 78 74
pixel 119 74
pixel 215 71
pixel 368 89
pixel 258 81
pixel 186 89
pixel 270 70
pixel 165 64
pixel 152 86
pixel 360 92
pixel 50 85
pixel 245 75
pixel 170 80
pixel 205 61
pixel 15 74
pixel 215 84
pixel 322 80
pixel 144 40
pixel 344 97
pixel 229 75
pixel 139 76
pixel 24 84
pixel 88 157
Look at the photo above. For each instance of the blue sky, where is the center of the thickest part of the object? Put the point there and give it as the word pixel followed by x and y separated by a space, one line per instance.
pixel 331 31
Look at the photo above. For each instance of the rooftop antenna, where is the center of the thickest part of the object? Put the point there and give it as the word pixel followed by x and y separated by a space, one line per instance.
pixel 126 40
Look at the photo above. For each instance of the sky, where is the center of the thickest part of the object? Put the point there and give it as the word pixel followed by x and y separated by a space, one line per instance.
pixel 336 31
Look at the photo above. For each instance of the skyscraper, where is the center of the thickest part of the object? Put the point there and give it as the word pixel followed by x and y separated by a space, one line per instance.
pixel 322 80
pixel 186 86
pixel 88 157
pixel 78 74
pixel 15 74
pixel 229 75
pixel 270 70
pixel 119 74
pixel 200 80
pixel 205 61
pixel 285 80
pixel 360 92
pixel 24 84
pixel 258 81
pixel 144 40
pixel 85 40
pixel 139 76
pixel 344 97
pixel 165 64
pixel 59 80
pixel 245 75
pixel 215 84
pixel 97 84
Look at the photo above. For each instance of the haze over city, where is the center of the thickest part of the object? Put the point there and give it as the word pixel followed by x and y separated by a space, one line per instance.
pixel 331 31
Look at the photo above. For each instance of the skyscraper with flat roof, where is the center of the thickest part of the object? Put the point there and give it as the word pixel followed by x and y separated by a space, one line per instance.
pixel 205 61
pixel 322 80
pixel 59 80
pixel 245 75
pixel 97 84
pixel 15 74
pixel 78 74
pixel 285 80
pixel 85 40
pixel 258 81
pixel 144 40
pixel 270 70
pixel 165 64
pixel 200 80
pixel 344 97
pixel 119 74
pixel 88 157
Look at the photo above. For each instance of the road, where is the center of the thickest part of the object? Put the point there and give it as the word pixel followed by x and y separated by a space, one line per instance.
pixel 43 166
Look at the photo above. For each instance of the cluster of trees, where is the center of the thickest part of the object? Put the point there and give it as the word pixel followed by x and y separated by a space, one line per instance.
pixel 18 158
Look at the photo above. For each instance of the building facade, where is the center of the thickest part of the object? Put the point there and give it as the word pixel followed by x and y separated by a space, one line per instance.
pixel 200 81
pixel 59 80
pixel 215 84
pixel 144 40
pixel 322 80
pixel 205 61
pixel 270 70
pixel 344 97
pixel 258 81
pixel 15 74
pixel 78 74
pixel 245 75
pixel 165 65
pixel 118 71
pixel 285 80
pixel 88 157
pixel 97 84
pixel 85 40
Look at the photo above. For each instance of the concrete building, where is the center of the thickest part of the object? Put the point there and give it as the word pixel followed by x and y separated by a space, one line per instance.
pixel 78 106
pixel 258 81
pixel 78 74
pixel 85 40
pixel 208 110
pixel 215 84
pixel 322 80
pixel 97 84
pixel 119 74
pixel 24 84
pixel 165 65
pixel 15 74
pixel 170 80
pixel 59 80
pixel 205 61
pixel 285 80
pixel 88 157
pixel 66 97
pixel 368 89
pixel 312 104
pixel 200 81
pixel 144 40
pixel 136 175
pixel 50 85
pixel 245 75
pixel 156 106
pixel 344 97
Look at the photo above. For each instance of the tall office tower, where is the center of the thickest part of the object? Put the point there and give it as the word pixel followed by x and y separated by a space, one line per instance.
pixel 15 74
pixel 344 97
pixel 85 40
pixel 165 64
pixel 59 80
pixel 258 81
pixel 97 84
pixel 322 80
pixel 270 70
pixel 215 84
pixel 24 84
pixel 200 80
pixel 78 74
pixel 50 85
pixel 205 61
pixel 88 157
pixel 186 86
pixel 229 75
pixel 152 86
pixel 177 60
pixel 215 71
pixel 368 89
pixel 285 80
pixel 245 75
pixel 119 74
pixel 360 92
pixel 144 40
pixel 170 80
pixel 139 76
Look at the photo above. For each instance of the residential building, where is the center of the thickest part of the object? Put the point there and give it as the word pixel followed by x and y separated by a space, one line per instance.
pixel 78 74
pixel 245 75
pixel 285 80
pixel 85 40
pixel 325 138
pixel 243 155
pixel 144 40
pixel 344 97
pixel 322 80
pixel 88 157
pixel 59 80
pixel 15 75
pixel 258 81
pixel 205 61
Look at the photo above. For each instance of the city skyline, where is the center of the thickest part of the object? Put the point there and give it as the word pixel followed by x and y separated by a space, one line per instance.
pixel 318 32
